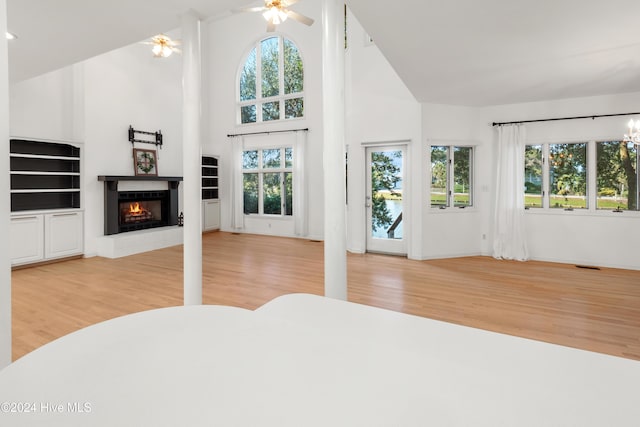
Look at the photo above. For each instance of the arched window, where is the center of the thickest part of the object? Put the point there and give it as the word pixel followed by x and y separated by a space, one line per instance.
pixel 271 83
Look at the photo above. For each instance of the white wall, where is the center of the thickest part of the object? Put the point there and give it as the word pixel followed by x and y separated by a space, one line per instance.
pixel 128 87
pixel 455 232
pixel 591 238
pixel 49 106
pixel 379 109
pixel 5 268
pixel 93 103
pixel 228 42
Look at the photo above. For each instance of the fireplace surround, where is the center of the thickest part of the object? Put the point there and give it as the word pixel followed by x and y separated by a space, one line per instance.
pixel 126 211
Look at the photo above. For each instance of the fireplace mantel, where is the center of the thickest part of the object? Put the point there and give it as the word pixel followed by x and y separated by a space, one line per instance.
pixel 116 178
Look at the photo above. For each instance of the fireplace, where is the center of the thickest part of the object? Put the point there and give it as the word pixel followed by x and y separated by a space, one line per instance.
pixel 139 210
pixel 126 211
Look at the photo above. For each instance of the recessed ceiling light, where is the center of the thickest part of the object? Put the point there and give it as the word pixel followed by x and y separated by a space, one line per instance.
pixel 11 36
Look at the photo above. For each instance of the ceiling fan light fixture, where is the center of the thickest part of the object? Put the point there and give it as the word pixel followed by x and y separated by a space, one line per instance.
pixel 163 46
pixel 161 51
pixel 275 15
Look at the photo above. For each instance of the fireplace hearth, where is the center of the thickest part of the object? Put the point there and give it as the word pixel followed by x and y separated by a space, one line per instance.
pixel 126 211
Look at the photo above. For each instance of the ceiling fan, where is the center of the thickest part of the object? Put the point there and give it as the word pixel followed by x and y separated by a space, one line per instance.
pixel 163 46
pixel 276 12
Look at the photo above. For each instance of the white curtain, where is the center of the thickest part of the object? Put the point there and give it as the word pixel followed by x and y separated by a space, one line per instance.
pixel 237 205
pixel 300 185
pixel 509 238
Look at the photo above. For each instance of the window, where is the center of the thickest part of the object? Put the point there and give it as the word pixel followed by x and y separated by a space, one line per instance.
pixel 451 176
pixel 568 176
pixel 271 82
pixel 617 175
pixel 268 181
pixel 533 176
pixel 594 175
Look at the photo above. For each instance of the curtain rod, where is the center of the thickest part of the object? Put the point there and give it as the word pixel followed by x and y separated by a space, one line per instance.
pixel 563 118
pixel 267 132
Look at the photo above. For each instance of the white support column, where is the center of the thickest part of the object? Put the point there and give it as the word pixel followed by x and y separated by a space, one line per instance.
pixel 335 236
pixel 5 264
pixel 191 135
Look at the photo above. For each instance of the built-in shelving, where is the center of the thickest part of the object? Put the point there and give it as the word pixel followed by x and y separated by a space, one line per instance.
pixel 210 202
pixel 46 219
pixel 209 177
pixel 44 175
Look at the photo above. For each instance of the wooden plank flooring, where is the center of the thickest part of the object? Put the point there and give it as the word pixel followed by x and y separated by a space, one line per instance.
pixel 597 310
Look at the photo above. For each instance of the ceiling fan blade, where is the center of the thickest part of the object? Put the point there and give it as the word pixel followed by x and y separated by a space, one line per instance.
pixel 287 3
pixel 249 9
pixel 271 27
pixel 300 18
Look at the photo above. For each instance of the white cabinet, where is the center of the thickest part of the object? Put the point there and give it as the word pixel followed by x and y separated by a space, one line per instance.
pixel 63 234
pixel 26 239
pixel 210 215
pixel 45 236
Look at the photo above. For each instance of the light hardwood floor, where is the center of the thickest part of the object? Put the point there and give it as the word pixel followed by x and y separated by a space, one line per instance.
pixel 597 310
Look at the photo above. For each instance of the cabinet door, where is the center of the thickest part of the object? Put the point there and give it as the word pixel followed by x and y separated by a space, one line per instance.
pixel 63 234
pixel 210 215
pixel 26 239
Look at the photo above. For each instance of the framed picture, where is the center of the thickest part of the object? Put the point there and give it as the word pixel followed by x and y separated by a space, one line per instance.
pixel 145 162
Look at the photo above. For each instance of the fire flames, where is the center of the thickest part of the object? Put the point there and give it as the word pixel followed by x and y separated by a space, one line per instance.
pixel 136 213
pixel 135 209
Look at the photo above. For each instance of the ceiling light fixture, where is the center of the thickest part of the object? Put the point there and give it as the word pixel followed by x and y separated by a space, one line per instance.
pixel 634 132
pixel 275 15
pixel 163 46
pixel 276 12
pixel 11 36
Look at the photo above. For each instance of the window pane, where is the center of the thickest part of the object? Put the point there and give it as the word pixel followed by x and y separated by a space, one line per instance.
pixel 248 78
pixel 533 176
pixel 271 158
pixel 250 184
pixel 293 72
pixel 272 194
pixel 270 111
pixel 568 175
pixel 288 193
pixel 439 176
pixel 288 157
pixel 294 108
pixel 462 161
pixel 248 114
pixel 617 177
pixel 250 159
pixel 269 62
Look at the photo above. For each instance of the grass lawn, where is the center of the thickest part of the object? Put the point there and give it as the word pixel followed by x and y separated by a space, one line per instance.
pixel 535 201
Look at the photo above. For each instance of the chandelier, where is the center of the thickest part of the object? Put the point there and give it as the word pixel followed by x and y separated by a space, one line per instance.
pixel 634 132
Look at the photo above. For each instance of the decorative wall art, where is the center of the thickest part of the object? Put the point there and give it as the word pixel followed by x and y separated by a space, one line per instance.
pixel 145 162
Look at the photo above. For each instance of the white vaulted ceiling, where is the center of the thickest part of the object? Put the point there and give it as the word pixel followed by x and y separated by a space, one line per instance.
pixel 56 33
pixel 462 52
pixel 470 52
